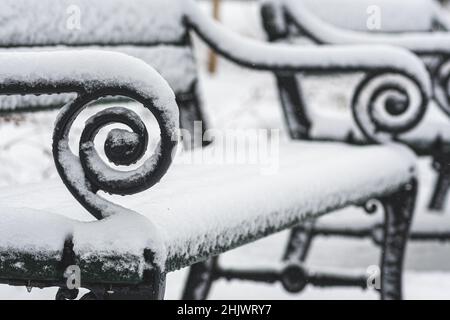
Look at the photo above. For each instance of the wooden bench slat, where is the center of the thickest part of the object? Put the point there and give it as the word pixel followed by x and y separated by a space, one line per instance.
pixel 50 22
pixel 190 216
pixel 396 15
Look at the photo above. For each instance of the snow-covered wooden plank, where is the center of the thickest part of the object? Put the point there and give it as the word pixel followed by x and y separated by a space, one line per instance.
pixel 395 15
pixel 327 33
pixel 78 22
pixel 198 210
pixel 33 248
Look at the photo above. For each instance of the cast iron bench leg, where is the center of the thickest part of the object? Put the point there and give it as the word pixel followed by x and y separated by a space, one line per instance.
pixel 191 114
pixel 200 279
pixel 441 164
pixel 399 209
pixel 299 243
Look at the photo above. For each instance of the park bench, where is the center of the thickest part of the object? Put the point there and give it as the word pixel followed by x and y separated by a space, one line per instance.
pixel 288 21
pixel 182 226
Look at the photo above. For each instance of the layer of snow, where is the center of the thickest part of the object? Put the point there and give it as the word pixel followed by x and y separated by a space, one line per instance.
pixel 169 61
pixel 260 55
pixel 118 244
pixel 396 15
pixel 48 22
pixel 106 23
pixel 90 70
pixel 423 42
pixel 201 209
pixel 21 232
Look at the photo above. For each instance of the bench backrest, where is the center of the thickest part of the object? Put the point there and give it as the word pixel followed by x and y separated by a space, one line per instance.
pixel 363 15
pixel 152 30
pixel 395 15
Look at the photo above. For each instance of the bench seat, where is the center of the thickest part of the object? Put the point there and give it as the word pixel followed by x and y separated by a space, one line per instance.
pixel 196 210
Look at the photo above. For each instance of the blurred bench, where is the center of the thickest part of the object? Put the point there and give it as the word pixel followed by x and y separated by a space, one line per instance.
pixel 182 226
pixel 410 24
pixel 287 21
pixel 397 16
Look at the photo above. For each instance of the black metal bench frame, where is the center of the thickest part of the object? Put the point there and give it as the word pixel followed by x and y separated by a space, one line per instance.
pixel 398 205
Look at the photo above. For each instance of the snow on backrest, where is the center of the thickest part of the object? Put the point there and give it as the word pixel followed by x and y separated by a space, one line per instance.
pixel 46 22
pixel 152 30
pixel 395 15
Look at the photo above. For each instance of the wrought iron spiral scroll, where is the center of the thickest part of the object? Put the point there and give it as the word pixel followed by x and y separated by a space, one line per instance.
pixel 386 105
pixel 87 174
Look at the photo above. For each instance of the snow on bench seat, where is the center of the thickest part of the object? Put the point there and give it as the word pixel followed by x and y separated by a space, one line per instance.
pixel 32 243
pixel 197 210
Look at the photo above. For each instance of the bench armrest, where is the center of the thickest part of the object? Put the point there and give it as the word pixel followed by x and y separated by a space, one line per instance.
pixel 93 75
pixel 388 70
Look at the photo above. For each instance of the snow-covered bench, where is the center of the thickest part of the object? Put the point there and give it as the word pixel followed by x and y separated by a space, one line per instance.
pixel 286 20
pixel 185 226
pixel 289 20
pixel 405 23
pixel 195 212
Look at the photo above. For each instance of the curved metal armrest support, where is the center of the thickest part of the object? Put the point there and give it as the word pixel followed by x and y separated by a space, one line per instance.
pixel 93 75
pixel 282 58
pixel 387 69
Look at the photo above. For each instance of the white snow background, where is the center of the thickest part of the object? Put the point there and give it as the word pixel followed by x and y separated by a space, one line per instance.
pixel 238 98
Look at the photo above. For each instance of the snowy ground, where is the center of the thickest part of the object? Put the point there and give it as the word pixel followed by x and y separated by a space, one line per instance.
pixel 237 98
